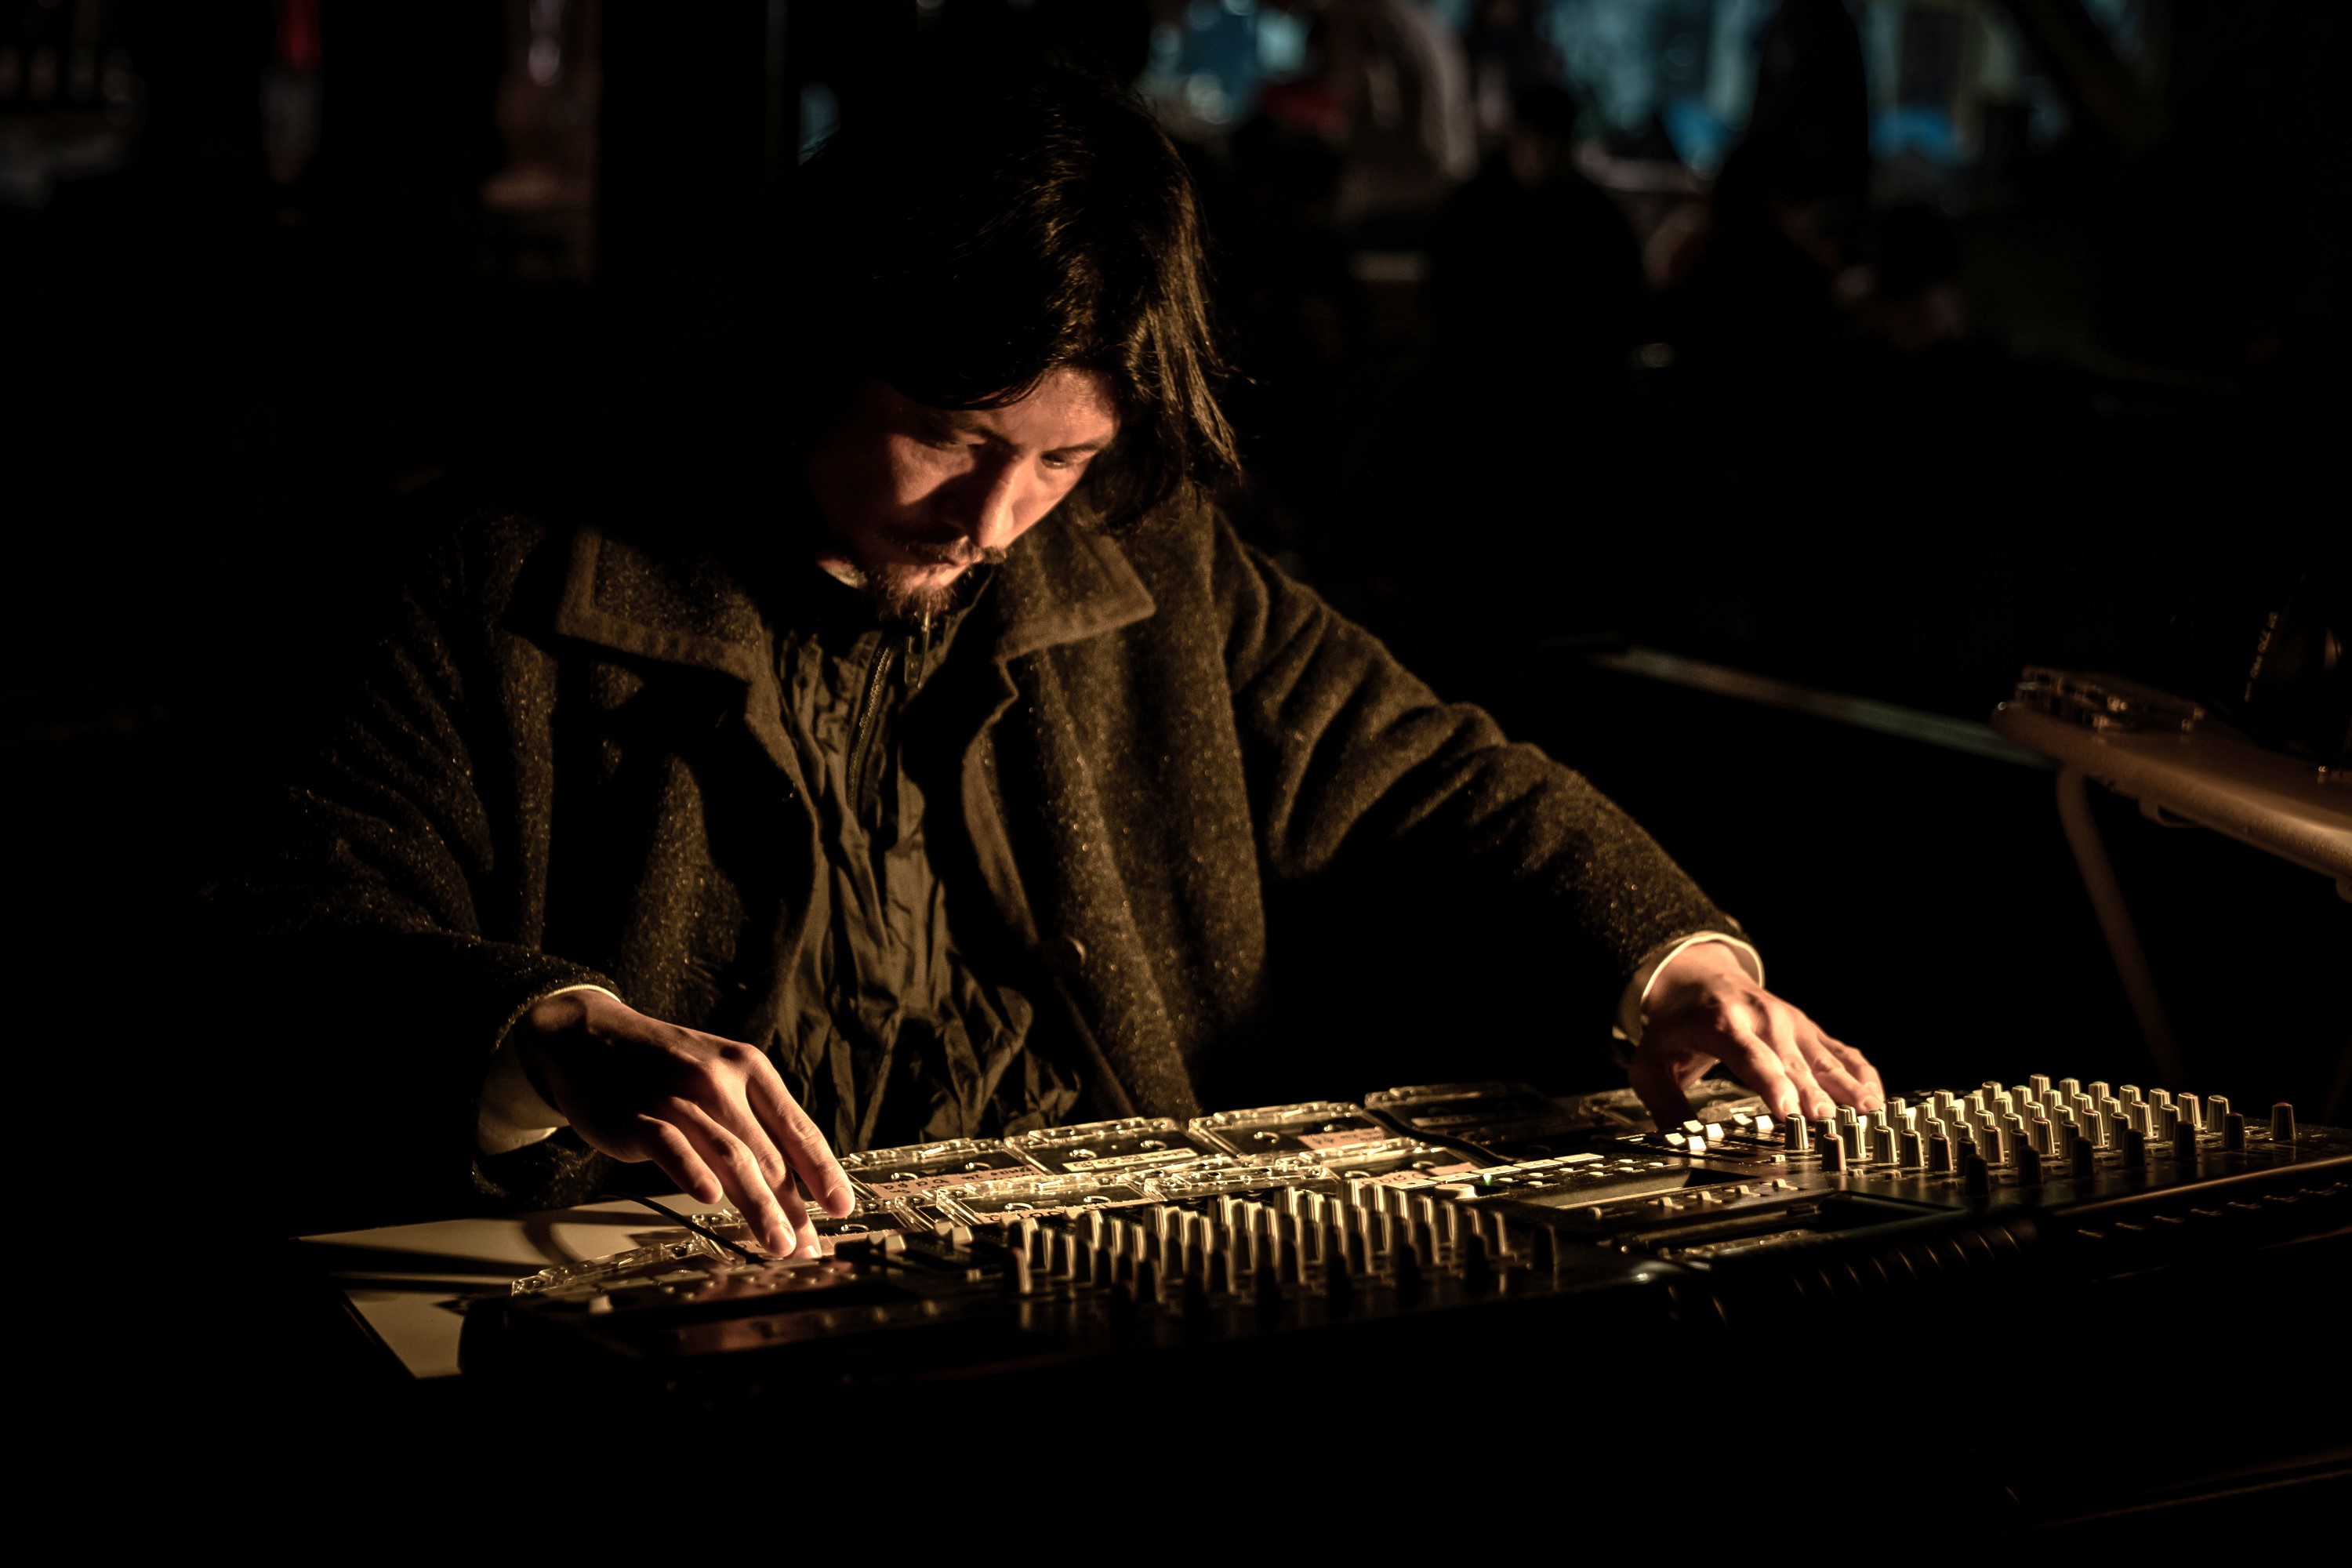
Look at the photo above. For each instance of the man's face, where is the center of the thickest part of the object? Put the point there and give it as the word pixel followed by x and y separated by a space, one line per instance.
pixel 916 496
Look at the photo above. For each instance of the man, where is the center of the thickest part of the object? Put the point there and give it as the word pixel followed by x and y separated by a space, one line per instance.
pixel 930 775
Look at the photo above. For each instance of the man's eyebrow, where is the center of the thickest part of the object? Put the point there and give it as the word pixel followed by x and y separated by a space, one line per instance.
pixel 1096 445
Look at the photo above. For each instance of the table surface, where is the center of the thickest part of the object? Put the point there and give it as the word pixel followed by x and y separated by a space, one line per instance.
pixel 409 1283
pixel 2262 797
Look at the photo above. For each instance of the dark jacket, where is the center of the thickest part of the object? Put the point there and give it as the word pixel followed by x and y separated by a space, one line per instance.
pixel 565 764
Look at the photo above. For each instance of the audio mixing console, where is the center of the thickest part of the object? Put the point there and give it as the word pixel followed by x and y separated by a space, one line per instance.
pixel 1502 1257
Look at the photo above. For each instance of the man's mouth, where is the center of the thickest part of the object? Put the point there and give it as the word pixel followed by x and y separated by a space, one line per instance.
pixel 958 552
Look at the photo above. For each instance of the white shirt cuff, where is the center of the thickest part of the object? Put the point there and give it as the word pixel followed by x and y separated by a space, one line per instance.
pixel 1637 990
pixel 512 1114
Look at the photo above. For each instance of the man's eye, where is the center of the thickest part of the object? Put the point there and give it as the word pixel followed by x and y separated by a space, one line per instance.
pixel 1069 463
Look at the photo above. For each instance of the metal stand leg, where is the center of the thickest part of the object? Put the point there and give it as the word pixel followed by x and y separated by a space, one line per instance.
pixel 2116 922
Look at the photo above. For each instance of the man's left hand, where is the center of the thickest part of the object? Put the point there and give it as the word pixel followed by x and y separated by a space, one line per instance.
pixel 1703 1008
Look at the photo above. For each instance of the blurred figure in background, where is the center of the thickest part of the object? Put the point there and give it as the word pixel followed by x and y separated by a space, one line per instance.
pixel 1508 56
pixel 1403 88
pixel 1811 95
pixel 1535 266
pixel 1753 285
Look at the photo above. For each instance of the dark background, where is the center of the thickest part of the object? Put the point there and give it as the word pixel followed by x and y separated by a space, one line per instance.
pixel 2054 379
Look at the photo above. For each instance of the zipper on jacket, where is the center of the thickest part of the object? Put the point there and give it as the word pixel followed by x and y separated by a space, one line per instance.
pixel 862 729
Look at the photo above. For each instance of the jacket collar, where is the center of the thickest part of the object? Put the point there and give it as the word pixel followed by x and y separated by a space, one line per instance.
pixel 1060 584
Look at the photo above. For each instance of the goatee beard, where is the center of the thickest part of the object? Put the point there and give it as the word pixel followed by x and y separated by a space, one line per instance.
pixel 902 592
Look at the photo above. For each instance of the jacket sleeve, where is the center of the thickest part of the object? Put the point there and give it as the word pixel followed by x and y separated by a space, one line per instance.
pixel 374 913
pixel 1353 760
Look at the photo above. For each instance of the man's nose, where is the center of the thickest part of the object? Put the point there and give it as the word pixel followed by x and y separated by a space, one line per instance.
pixel 991 511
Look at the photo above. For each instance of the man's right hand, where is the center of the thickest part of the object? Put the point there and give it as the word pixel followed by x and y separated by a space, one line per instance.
pixel 712 1113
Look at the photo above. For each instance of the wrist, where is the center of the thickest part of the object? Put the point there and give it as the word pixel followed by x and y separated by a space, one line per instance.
pixel 568 1013
pixel 1696 968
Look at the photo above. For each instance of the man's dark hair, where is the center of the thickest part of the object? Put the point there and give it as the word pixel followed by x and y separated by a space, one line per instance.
pixel 964 237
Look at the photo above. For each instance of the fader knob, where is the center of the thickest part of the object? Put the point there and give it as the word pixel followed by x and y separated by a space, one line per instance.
pixel 1976 1178
pixel 2233 1131
pixel 2281 1122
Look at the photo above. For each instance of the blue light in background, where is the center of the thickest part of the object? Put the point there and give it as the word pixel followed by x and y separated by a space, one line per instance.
pixel 1920 129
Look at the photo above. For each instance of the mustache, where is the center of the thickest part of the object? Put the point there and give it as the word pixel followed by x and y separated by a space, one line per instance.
pixel 953 552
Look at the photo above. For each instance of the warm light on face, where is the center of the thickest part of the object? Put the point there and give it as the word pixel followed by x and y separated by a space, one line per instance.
pixel 916 495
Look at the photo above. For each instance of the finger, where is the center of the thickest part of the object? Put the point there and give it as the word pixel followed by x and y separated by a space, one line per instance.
pixel 1780 1027
pixel 1761 1068
pixel 803 1227
pixel 737 1118
pixel 668 1148
pixel 1830 1073
pixel 804 1146
pixel 1653 1078
pixel 732 1110
pixel 1859 1066
pixel 738 1169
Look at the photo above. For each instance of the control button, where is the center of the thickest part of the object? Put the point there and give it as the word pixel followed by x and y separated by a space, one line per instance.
pixel 1884 1151
pixel 1976 1179
pixel 2233 1131
pixel 2217 1111
pixel 2184 1140
pixel 2070 1088
pixel 2085 1159
pixel 1832 1155
pixel 2029 1165
pixel 1763 1128
pixel 2134 1147
pixel 2281 1122
pixel 1715 1133
pixel 2039 1083
pixel 1799 1135
pixel 2190 1112
pixel 1940 1153
pixel 1915 1151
